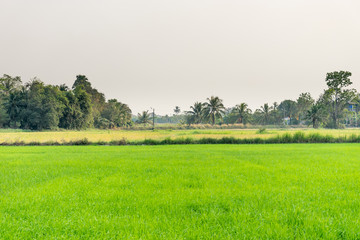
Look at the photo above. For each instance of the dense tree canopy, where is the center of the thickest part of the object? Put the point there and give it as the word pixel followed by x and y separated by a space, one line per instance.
pixel 37 106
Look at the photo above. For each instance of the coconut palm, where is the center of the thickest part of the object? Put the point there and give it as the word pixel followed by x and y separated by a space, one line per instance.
pixel 214 108
pixel 265 111
pixel 144 117
pixel 242 111
pixel 196 113
pixel 177 110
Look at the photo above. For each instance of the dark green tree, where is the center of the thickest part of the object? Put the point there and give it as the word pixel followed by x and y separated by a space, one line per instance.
pixel 337 95
pixel 214 109
pixel 315 114
pixel 288 108
pixel 304 103
pixel 242 112
pixel 117 113
pixel 265 112
pixel 196 114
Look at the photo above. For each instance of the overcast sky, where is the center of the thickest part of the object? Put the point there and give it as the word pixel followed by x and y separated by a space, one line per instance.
pixel 163 53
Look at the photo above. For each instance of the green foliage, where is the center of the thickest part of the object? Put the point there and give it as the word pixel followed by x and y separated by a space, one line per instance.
pixel 197 113
pixel 288 108
pixel 37 106
pixel 337 96
pixel 242 113
pixel 304 103
pixel 214 109
pixel 117 113
pixel 144 118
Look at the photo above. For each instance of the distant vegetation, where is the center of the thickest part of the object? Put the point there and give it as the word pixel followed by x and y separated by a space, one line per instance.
pixel 37 106
pixel 336 107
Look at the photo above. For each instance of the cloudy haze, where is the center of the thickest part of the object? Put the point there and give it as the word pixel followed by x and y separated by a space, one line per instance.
pixel 162 53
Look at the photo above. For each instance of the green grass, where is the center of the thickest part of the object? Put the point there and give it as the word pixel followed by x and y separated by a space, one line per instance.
pixel 293 191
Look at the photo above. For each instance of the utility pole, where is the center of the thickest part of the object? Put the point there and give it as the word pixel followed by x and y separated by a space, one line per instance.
pixel 153 128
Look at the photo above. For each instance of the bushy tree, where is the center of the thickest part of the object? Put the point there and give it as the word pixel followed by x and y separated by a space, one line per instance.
pixel 288 108
pixel 117 113
pixel 304 103
pixel 337 96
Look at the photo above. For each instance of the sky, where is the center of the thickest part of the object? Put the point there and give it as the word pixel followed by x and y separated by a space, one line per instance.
pixel 167 53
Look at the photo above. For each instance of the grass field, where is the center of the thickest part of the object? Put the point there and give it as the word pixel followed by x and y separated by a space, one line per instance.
pixel 12 136
pixel 293 191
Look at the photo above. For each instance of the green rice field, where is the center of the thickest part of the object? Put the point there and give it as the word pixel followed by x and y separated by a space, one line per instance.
pixel 282 191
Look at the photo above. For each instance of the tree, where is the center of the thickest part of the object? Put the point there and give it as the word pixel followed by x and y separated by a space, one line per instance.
pixel 144 117
pixel 265 112
pixel 337 96
pixel 9 84
pixel 214 108
pixel 314 114
pixel 242 112
pixel 287 108
pixel 4 117
pixel 117 113
pixel 177 110
pixel 77 113
pixel 304 103
pixel 196 114
pixel 14 104
pixel 97 98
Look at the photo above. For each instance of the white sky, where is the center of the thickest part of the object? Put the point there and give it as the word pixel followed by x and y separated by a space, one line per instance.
pixel 162 53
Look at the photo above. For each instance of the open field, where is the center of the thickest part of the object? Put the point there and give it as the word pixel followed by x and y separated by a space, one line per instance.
pixel 293 191
pixel 12 136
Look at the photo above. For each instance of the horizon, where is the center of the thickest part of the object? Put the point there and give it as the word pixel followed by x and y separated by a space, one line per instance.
pixel 165 54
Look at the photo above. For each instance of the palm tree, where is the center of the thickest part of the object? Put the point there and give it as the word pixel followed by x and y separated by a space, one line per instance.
pixel 242 111
pixel 266 112
pixel 177 110
pixel 214 108
pixel 197 112
pixel 314 114
pixel 144 117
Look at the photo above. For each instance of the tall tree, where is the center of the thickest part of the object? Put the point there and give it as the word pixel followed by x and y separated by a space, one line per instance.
pixel 97 99
pixel 337 95
pixel 214 108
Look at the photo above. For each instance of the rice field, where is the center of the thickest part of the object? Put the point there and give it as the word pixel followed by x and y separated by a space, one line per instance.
pixel 12 136
pixel 292 191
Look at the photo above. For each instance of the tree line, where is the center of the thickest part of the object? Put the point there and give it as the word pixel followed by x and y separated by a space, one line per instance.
pixel 36 106
pixel 336 107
